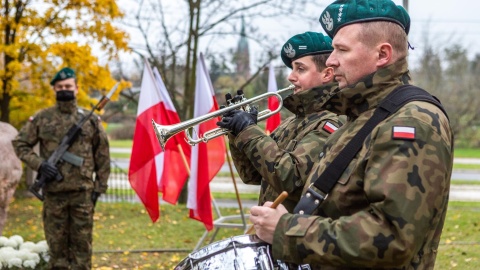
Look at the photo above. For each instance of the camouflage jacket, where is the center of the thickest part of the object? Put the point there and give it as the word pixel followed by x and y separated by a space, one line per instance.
pixel 282 161
pixel 388 208
pixel 47 128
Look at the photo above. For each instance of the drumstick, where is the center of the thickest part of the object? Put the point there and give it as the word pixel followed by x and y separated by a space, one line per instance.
pixel 277 201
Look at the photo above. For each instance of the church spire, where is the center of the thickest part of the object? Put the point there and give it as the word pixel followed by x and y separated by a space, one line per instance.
pixel 242 56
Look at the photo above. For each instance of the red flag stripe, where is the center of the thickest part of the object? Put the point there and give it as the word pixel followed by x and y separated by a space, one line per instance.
pixel 273 121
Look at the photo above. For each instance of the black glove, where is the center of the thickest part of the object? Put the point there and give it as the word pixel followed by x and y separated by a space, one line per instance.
pixel 237 120
pixel 48 170
pixel 95 196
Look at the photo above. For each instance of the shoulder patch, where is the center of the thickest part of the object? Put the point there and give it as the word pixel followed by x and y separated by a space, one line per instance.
pixel 403 133
pixel 329 127
pixel 31 118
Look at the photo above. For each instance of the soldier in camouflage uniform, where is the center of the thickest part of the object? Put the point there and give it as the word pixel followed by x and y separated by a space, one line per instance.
pixel 388 208
pixel 282 161
pixel 68 207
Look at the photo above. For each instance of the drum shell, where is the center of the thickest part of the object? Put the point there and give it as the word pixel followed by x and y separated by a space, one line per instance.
pixel 239 252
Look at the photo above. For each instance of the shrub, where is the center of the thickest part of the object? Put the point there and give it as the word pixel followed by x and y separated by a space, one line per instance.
pixel 124 132
pixel 17 254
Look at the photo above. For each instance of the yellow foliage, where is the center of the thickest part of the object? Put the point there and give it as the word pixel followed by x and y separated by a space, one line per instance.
pixel 38 40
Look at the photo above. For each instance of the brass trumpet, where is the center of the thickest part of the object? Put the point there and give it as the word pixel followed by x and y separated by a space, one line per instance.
pixel 165 132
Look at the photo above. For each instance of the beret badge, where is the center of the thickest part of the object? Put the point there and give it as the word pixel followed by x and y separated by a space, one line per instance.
pixel 289 50
pixel 327 21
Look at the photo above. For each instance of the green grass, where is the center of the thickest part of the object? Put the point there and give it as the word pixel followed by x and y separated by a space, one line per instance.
pixel 125 237
pixel 467 152
pixel 121 143
pixel 232 196
pixel 458 166
pixel 120 155
pixel 465 182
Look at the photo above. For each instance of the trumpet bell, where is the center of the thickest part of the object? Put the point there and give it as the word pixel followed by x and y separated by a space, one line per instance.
pixel 163 133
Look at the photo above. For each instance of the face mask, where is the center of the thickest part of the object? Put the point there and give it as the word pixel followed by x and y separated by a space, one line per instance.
pixel 65 95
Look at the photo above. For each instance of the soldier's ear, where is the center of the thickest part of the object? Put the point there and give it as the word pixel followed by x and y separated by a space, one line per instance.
pixel 327 75
pixel 385 53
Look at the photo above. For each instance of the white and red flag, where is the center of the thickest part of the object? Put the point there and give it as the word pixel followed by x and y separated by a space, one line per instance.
pixel 207 158
pixel 273 121
pixel 151 169
pixel 172 164
pixel 402 132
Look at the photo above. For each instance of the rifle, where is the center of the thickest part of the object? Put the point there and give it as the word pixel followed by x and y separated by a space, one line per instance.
pixel 61 153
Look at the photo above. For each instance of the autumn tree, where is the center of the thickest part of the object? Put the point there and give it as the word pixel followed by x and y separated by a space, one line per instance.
pixel 171 32
pixel 37 38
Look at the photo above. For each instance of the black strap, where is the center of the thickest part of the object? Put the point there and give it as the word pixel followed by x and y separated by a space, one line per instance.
pixel 327 180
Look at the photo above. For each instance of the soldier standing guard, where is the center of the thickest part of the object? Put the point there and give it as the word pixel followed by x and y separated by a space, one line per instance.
pixel 71 190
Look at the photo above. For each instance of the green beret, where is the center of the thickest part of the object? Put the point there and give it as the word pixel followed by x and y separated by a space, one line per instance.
pixel 308 43
pixel 345 12
pixel 63 74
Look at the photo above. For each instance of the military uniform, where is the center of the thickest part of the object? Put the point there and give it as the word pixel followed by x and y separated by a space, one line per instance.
pixel 282 161
pixel 68 208
pixel 388 208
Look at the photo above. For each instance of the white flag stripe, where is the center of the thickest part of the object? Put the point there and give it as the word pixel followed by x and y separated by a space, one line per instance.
pixel 272 82
pixel 203 99
pixel 163 91
pixel 151 97
pixel 159 166
pixel 404 129
pixel 330 125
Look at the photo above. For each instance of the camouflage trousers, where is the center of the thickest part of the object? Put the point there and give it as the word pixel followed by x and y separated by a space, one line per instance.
pixel 68 225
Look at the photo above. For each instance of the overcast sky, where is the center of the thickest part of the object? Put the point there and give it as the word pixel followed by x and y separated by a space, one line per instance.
pixel 441 22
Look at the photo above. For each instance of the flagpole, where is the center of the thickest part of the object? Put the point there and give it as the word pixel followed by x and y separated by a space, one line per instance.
pixel 182 154
pixel 234 184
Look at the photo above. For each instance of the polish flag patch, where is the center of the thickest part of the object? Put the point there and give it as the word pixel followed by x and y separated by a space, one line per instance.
pixel 406 133
pixel 329 127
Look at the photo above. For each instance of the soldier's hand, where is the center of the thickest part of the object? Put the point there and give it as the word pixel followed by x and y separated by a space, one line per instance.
pixel 237 120
pixel 48 170
pixel 95 196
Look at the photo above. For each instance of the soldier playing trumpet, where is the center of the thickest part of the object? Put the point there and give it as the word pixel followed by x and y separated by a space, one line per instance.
pixel 281 161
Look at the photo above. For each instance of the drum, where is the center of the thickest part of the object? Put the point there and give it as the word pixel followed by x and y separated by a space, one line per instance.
pixel 245 252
